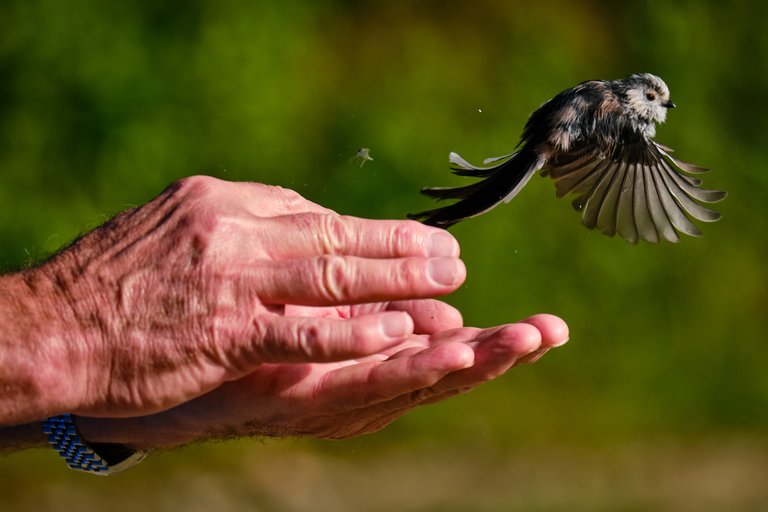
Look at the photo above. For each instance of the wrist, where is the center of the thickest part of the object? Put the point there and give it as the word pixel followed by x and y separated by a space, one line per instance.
pixel 34 356
pixel 147 433
pixel 52 332
pixel 105 459
pixel 143 433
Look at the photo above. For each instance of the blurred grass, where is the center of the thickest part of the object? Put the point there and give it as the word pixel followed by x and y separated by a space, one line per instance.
pixel 102 105
pixel 709 475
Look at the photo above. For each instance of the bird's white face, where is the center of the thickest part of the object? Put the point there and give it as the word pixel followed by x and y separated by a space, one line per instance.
pixel 648 98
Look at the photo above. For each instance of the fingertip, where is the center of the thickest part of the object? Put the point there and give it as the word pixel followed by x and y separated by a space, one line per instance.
pixel 554 331
pixel 511 340
pixel 446 272
pixel 523 338
pixel 441 244
pixel 462 273
pixel 450 317
pixel 395 325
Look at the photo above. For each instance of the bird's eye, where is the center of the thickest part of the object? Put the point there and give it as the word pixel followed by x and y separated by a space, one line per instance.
pixel 650 96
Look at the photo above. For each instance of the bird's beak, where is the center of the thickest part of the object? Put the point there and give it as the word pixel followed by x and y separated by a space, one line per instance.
pixel 668 104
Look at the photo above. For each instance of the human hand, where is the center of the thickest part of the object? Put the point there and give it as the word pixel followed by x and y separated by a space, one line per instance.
pixel 196 288
pixel 346 398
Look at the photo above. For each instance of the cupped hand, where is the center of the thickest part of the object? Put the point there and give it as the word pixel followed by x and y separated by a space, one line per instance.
pixel 346 398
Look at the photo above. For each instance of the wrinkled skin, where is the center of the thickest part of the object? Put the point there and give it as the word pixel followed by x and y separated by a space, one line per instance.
pixel 223 309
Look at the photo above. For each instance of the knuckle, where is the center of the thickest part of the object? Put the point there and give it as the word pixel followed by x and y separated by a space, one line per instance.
pixel 332 277
pixel 198 212
pixel 327 231
pixel 196 186
pixel 179 226
pixel 200 219
pixel 275 341
pixel 403 235
pixel 260 333
pixel 405 275
pixel 289 199
pixel 291 340
pixel 307 340
pixel 199 227
pixel 334 233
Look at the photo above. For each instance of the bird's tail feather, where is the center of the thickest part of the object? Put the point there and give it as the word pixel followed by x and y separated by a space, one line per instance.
pixel 501 183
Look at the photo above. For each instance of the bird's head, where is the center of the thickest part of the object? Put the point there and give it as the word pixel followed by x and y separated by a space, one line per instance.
pixel 646 96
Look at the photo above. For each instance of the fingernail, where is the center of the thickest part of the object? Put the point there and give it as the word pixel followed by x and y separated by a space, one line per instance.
pixel 443 271
pixel 560 343
pixel 441 244
pixel 396 326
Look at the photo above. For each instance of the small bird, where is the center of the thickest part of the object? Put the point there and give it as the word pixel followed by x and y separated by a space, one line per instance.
pixel 596 141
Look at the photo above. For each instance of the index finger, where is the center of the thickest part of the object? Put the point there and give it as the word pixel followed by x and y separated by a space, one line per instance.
pixel 314 234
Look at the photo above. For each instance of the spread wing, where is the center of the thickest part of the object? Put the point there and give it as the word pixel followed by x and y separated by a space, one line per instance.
pixel 637 191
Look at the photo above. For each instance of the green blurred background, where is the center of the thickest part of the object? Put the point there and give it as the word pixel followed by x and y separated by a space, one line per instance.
pixel 660 400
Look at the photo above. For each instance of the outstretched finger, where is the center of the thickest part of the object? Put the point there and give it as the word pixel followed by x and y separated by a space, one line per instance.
pixel 496 350
pixel 343 280
pixel 314 234
pixel 363 385
pixel 554 333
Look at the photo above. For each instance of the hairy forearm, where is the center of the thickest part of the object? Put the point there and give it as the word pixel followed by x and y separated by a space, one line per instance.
pixel 145 434
pixel 22 397
pixel 34 352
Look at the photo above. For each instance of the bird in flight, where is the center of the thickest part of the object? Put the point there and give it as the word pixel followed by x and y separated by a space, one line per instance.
pixel 596 141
